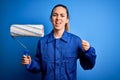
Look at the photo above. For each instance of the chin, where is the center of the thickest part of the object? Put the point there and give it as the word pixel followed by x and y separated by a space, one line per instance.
pixel 57 28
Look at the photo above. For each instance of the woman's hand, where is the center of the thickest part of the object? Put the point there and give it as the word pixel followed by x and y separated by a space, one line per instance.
pixel 26 60
pixel 85 45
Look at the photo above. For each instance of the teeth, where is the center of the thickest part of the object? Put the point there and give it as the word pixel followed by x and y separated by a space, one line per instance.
pixel 58 23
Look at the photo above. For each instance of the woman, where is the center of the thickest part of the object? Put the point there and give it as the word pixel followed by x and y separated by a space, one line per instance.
pixel 57 52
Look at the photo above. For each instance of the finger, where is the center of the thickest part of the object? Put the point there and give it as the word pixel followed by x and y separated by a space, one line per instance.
pixel 28 57
pixel 25 62
pixel 83 41
pixel 24 56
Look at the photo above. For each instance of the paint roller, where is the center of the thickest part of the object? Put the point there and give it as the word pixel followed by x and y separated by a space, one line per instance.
pixel 26 30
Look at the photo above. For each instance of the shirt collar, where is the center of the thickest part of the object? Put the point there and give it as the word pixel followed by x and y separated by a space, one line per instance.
pixel 64 36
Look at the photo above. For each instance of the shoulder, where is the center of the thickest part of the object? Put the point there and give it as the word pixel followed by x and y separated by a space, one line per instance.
pixel 70 37
pixel 45 38
pixel 75 40
pixel 73 36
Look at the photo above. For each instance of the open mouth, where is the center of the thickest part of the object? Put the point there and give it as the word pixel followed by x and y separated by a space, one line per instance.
pixel 58 22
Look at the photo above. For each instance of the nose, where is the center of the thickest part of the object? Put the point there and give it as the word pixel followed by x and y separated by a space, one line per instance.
pixel 58 17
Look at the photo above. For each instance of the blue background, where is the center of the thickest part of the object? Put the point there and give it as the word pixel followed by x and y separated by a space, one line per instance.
pixel 97 21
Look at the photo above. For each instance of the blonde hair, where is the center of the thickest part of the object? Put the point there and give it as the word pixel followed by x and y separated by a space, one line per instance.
pixel 67 26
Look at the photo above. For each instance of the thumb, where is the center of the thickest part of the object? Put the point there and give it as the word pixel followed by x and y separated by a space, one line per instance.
pixel 28 57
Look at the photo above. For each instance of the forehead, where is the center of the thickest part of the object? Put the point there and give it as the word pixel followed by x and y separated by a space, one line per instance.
pixel 59 9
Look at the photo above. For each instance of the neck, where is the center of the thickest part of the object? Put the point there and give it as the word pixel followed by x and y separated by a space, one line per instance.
pixel 58 33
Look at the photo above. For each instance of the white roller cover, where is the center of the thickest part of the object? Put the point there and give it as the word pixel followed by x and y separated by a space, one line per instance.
pixel 27 30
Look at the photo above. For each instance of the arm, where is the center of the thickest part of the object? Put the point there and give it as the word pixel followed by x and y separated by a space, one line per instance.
pixel 32 65
pixel 87 55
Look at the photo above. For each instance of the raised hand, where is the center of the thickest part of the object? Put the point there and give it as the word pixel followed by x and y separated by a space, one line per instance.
pixel 85 45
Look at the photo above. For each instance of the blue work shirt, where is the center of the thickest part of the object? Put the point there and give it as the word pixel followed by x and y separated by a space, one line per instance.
pixel 56 59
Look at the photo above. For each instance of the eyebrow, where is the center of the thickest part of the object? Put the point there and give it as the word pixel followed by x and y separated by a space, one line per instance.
pixel 60 13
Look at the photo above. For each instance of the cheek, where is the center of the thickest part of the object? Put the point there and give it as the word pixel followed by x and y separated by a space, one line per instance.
pixel 52 20
pixel 65 20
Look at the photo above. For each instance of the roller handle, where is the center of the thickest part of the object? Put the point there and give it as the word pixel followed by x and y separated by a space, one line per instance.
pixel 26 52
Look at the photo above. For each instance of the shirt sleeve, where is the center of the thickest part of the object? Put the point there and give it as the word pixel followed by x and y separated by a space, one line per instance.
pixel 87 58
pixel 34 67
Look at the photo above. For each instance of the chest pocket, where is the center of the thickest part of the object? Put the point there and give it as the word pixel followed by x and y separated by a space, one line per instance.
pixel 69 54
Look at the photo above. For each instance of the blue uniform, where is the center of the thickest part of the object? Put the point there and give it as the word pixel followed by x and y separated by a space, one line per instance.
pixel 56 59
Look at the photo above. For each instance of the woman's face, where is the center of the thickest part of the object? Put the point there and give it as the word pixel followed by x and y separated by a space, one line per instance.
pixel 59 18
